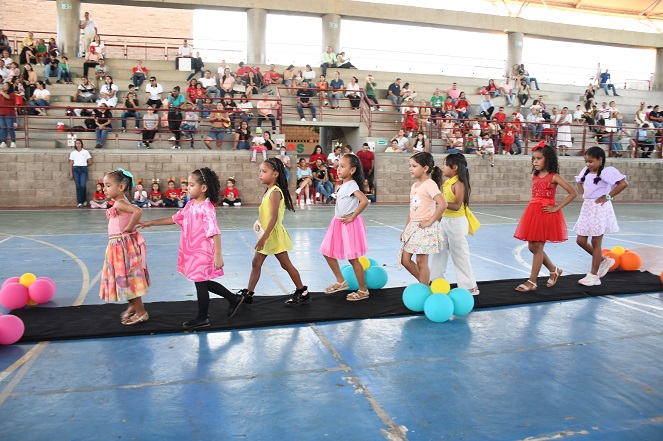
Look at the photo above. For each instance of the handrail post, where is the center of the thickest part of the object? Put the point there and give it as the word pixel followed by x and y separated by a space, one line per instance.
pixel 584 140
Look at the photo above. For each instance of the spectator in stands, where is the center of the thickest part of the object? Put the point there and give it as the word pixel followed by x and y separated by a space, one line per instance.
pixel 190 123
pixel 139 74
pixel 463 106
pixel 515 75
pixel 607 84
pixel 108 92
pixel 98 47
pixel 533 124
pixel 197 66
pixel 89 28
pixel 646 140
pixel 150 126
pixel 437 106
pixel 153 93
pixel 507 91
pixel 455 141
pixel 243 137
pixel 640 115
pixel 334 155
pixel 42 52
pixel 227 83
pixel 370 91
pixel 524 93
pixel 245 107
pixel 53 68
pixel 185 51
pixel 322 85
pixel 53 48
pixel 100 71
pixel 209 83
pixel 308 75
pixel 453 92
pixel 102 120
pixel 394 94
pixel 500 116
pixel 86 92
pixel 130 103
pixel 400 139
pixel 353 93
pixel 487 107
pixel 589 97
pixel 492 88
pixel 65 67
pixel 4 44
pixel 424 115
pixel 267 108
pixel 323 185
pixel 328 60
pixel 407 93
pixel 529 80
pixel 394 148
pixel 175 105
pixel 4 72
pixel 304 180
pixel 335 92
pixel 28 50
pixel 272 76
pixel 304 96
pixel 7 116
pixel 449 109
pixel 6 57
pixel 91 61
pixel 41 98
pixel 288 77
pixel 656 117
pixel 219 124
pixel 253 84
pixel 342 62
pixel 317 154
pixel 418 144
pixel 564 140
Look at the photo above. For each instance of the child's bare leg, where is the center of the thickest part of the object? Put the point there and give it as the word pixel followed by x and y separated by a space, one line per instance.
pixel 256 268
pixel 406 261
pixel 536 249
pixel 336 268
pixel 424 269
pixel 137 306
pixel 359 272
pixel 284 260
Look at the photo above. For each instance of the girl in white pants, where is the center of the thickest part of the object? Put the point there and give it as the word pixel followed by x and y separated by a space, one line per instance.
pixel 457 221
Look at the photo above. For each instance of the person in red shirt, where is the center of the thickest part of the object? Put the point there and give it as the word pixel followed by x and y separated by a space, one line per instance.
pixel 367 160
pixel 500 116
pixel 272 76
pixel 231 194
pixel 243 69
pixel 317 154
pixel 156 197
pixel 172 195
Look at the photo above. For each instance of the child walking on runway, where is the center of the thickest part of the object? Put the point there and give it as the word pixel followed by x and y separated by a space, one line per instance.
pixel 125 275
pixel 346 236
pixel 200 258
pixel 543 220
pixel 273 237
pixel 598 184
pixel 422 232
pixel 457 221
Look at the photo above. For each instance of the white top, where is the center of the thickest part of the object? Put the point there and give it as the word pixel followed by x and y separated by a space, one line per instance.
pixel 332 157
pixel 258 140
pixel 42 94
pixel 154 91
pixel 207 82
pixel 418 146
pixel 89 28
pixel 402 142
pixel 350 89
pixel 186 51
pixel 140 196
pixel 80 158
pixel 247 106
pixel 577 114
pixel 346 202
pixel 308 76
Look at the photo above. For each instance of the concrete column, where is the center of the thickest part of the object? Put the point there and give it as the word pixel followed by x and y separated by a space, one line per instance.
pixel 331 32
pixel 68 18
pixel 256 29
pixel 514 52
pixel 658 70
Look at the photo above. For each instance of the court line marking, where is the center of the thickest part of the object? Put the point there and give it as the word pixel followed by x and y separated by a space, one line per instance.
pixel 644 305
pixel 495 215
pixel 617 300
pixel 29 361
pixel 6 238
pixel 17 364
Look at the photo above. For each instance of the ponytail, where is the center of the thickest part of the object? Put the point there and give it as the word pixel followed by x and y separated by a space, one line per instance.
pixel 458 160
pixel 281 181
pixel 436 175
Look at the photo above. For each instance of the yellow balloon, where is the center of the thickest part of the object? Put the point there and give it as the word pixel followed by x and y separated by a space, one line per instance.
pixel 365 263
pixel 618 250
pixel 27 279
pixel 32 302
pixel 440 286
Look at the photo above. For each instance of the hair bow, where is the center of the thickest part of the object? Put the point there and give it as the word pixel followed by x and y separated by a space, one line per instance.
pixel 540 145
pixel 127 174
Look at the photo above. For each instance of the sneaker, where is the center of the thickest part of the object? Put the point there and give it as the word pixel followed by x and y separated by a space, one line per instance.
pixel 48 81
pixel 98 146
pixel 308 202
pixel 59 82
pixel 299 297
pixel 299 190
pixel 605 266
pixel 253 159
pixel 590 280
pixel 303 119
pixel 234 306
pixel 380 109
pixel 85 204
pixel 139 145
pixel 248 295
pixel 3 145
pixel 372 109
pixel 175 147
pixel 12 145
pixel 172 138
pixel 333 195
pixel 225 204
pixel 314 119
pixel 79 206
pixel 147 145
pixel 196 323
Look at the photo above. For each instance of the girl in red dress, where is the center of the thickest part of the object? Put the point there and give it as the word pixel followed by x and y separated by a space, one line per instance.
pixel 409 123
pixel 156 195
pixel 508 137
pixel 543 220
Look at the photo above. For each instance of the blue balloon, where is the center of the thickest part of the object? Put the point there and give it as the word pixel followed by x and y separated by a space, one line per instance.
pixel 350 277
pixel 415 295
pixel 376 277
pixel 463 301
pixel 373 262
pixel 438 308
pixel 347 265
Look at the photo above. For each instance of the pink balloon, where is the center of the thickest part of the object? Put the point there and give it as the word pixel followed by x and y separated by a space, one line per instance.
pixel 11 329
pixel 10 280
pixel 14 296
pixel 41 291
pixel 50 281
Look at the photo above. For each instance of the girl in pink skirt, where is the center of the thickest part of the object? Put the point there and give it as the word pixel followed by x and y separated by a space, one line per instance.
pixel 598 184
pixel 346 235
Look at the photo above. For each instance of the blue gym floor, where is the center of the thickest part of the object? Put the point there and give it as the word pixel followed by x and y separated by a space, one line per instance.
pixel 587 369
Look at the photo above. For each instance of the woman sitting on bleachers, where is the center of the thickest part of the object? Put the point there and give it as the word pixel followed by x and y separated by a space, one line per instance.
pixel 29 80
pixel 108 92
pixel 41 97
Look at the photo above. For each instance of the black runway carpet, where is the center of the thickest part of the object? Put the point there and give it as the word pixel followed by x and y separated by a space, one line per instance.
pixel 96 321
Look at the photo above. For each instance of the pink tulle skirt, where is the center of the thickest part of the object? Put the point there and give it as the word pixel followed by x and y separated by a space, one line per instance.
pixel 345 241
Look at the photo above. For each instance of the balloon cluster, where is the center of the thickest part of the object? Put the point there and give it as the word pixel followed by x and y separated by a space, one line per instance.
pixel 626 259
pixel 438 301
pixel 17 292
pixel 376 276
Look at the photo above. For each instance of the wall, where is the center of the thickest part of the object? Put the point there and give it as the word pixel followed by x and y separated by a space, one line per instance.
pixel 40 179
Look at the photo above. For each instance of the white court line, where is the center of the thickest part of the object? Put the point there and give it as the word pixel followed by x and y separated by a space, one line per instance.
pixel 6 238
pixel 644 305
pixel 495 215
pixel 625 305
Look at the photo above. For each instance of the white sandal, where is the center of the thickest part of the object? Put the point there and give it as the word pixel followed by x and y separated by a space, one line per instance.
pixel 524 287
pixel 357 296
pixel 336 287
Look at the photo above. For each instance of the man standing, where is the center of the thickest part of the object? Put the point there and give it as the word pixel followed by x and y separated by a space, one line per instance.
pixel 328 60
pixel 394 94
pixel 89 28
pixel 605 77
pixel 367 160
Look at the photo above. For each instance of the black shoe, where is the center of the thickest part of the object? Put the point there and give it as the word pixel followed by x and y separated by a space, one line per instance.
pixel 299 297
pixel 232 309
pixel 48 81
pixel 248 295
pixel 196 323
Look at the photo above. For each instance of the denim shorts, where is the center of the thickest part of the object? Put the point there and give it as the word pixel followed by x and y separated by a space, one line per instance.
pixel 217 133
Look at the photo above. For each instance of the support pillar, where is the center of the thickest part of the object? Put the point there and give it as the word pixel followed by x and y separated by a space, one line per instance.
pixel 658 70
pixel 256 41
pixel 514 52
pixel 68 17
pixel 331 32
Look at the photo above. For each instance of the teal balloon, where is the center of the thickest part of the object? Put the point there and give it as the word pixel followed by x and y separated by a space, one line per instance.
pixel 347 265
pixel 463 301
pixel 415 295
pixel 373 262
pixel 350 277
pixel 438 308
pixel 376 277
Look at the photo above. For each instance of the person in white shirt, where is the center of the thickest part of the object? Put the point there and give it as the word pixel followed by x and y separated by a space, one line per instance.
pixel 185 51
pixel 640 115
pixel 89 28
pixel 79 160
pixel 108 92
pixel 335 155
pixel 577 115
pixel 154 91
pixel 209 83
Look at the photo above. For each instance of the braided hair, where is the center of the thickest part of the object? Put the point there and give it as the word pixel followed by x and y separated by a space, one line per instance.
pixel 208 177
pixel 358 175
pixel 425 159
pixel 281 181
pixel 458 160
pixel 596 153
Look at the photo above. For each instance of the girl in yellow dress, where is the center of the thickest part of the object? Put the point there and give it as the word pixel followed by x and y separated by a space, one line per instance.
pixel 273 239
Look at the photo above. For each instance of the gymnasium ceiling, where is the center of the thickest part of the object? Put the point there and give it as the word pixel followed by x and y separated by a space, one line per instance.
pixel 638 9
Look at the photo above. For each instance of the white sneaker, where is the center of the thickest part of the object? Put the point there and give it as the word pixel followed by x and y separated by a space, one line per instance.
pixel 3 145
pixel 12 145
pixel 590 280
pixel 85 204
pixel 238 204
pixel 314 119
pixel 372 109
pixel 299 190
pixel 303 119
pixel 308 202
pixel 79 206
pixel 380 109
pixel 172 138
pixel 604 266
pixel 225 204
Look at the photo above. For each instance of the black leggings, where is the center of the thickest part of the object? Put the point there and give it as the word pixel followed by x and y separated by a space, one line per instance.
pixel 174 123
pixel 202 291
